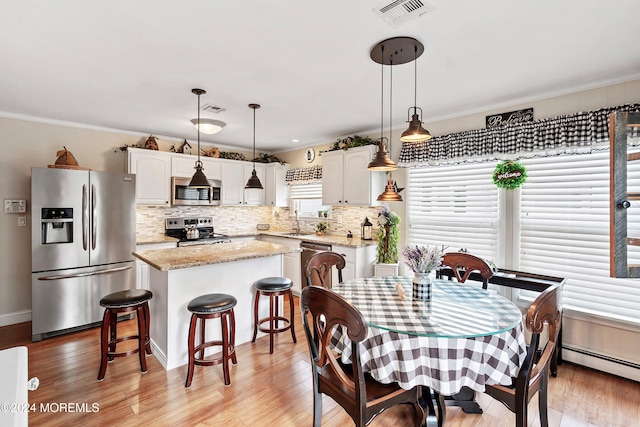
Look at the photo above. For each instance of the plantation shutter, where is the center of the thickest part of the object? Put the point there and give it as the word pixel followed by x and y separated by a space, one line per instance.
pixel 455 206
pixel 564 231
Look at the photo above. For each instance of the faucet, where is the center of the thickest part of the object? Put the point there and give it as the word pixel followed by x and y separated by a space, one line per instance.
pixel 297 227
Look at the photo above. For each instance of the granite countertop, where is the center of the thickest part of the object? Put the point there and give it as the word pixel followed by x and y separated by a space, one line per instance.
pixel 332 239
pixel 150 240
pixel 195 256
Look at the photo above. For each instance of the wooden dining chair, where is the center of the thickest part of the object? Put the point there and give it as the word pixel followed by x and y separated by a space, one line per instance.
pixel 318 268
pixel 358 393
pixel 533 376
pixel 463 264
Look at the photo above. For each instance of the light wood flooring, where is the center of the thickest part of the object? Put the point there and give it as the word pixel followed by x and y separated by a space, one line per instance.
pixel 265 390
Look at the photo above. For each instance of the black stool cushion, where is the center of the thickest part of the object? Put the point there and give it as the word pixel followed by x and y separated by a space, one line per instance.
pixel 273 284
pixel 128 298
pixel 212 303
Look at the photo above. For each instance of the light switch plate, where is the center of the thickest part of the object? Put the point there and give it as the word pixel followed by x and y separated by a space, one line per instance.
pixel 22 221
pixel 15 206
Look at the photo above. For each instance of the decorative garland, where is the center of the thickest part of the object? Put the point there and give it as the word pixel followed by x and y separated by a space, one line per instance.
pixel 509 175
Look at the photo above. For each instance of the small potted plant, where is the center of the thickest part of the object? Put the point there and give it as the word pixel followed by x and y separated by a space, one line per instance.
pixel 422 260
pixel 321 227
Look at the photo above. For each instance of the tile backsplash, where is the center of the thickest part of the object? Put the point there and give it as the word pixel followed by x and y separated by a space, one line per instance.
pixel 243 220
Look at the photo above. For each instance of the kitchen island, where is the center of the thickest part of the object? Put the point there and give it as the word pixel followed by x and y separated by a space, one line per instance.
pixel 180 274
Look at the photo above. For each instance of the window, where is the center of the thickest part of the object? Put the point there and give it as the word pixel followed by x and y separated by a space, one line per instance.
pixel 456 206
pixel 306 199
pixel 564 231
pixel 559 224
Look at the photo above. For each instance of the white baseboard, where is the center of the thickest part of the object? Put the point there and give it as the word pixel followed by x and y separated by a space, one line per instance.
pixel 602 363
pixel 16 317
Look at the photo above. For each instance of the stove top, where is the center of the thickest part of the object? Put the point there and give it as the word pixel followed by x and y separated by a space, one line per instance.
pixel 177 227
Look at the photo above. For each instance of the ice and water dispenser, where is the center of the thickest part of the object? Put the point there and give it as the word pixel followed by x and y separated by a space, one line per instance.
pixel 57 225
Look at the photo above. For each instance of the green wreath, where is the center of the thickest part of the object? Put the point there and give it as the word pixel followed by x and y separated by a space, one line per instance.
pixel 509 175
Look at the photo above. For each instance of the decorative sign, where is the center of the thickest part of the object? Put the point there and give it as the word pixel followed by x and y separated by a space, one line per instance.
pixel 509 175
pixel 520 116
pixel 309 155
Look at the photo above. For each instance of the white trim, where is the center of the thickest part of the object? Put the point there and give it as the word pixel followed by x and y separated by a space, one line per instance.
pixel 15 317
pixel 600 364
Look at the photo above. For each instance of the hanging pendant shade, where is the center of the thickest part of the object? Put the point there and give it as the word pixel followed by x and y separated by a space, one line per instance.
pixel 199 179
pixel 254 181
pixel 415 132
pixel 390 193
pixel 382 162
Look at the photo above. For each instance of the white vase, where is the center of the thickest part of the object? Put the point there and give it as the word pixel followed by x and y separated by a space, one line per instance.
pixel 422 287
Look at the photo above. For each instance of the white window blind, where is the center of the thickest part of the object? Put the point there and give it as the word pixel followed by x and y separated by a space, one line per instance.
pixel 306 199
pixel 307 190
pixel 456 206
pixel 564 231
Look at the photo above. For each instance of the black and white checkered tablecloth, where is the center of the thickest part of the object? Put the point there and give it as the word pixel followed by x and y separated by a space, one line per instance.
pixel 465 336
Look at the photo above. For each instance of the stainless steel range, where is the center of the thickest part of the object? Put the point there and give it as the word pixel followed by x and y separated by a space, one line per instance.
pixel 193 231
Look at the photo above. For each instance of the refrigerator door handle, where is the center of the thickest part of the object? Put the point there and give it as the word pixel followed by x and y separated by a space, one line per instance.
pixel 91 273
pixel 94 217
pixel 85 217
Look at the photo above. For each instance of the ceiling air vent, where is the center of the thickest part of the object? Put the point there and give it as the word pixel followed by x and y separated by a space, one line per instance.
pixel 212 108
pixel 399 11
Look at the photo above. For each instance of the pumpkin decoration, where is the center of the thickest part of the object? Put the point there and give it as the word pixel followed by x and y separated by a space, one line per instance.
pixel 151 143
pixel 212 152
pixel 65 160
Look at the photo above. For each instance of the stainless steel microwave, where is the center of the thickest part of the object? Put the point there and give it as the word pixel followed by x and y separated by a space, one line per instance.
pixel 182 194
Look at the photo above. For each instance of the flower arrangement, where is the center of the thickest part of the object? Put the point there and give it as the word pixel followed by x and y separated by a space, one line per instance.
pixel 322 227
pixel 387 237
pixel 423 259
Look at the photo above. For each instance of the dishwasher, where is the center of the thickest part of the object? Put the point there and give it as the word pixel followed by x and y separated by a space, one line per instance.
pixel 308 250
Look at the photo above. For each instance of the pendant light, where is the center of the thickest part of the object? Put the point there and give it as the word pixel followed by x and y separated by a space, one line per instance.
pixel 390 193
pixel 382 162
pixel 199 179
pixel 254 181
pixel 415 132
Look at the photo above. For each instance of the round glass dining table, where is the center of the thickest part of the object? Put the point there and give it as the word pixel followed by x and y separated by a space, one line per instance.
pixel 455 310
pixel 464 336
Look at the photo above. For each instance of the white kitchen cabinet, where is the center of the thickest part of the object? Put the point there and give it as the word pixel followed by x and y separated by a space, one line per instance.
pixel 347 181
pixel 254 197
pixel 359 262
pixel 153 175
pixel 183 165
pixel 142 268
pixel 291 262
pixel 275 185
pixel 235 175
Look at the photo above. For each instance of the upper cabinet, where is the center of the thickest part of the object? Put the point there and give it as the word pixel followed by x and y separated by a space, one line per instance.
pixel 154 170
pixel 235 176
pixel 153 175
pixel 347 181
pixel 275 185
pixel 183 165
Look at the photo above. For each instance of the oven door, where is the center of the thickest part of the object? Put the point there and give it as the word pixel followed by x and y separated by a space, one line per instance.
pixel 182 194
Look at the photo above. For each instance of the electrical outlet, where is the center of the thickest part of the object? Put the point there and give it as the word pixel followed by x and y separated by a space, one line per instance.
pixel 22 221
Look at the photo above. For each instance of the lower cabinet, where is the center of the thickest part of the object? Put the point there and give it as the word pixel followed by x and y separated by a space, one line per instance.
pixel 142 268
pixel 359 262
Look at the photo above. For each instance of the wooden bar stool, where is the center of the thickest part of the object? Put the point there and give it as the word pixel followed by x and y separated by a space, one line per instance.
pixel 124 302
pixel 273 287
pixel 205 307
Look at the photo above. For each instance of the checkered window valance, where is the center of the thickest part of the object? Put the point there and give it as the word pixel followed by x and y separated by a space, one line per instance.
pixel 311 173
pixel 583 129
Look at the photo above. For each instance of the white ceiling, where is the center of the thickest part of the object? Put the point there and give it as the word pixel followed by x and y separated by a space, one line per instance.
pixel 131 65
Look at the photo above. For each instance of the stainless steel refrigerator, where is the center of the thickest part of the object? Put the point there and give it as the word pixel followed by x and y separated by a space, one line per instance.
pixel 82 239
